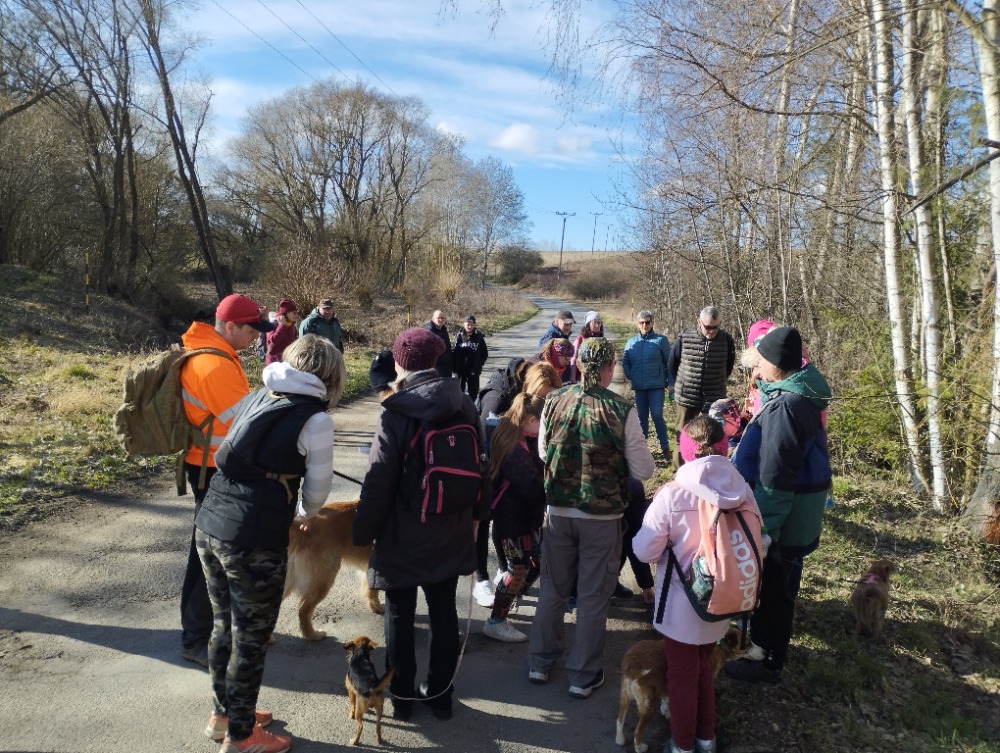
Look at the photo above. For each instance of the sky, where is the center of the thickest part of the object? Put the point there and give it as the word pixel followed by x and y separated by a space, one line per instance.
pixel 482 78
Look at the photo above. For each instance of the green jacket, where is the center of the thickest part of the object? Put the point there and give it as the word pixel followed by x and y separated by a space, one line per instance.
pixel 585 465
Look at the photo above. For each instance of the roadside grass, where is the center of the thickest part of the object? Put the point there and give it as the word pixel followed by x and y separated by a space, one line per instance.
pixel 930 683
pixel 62 370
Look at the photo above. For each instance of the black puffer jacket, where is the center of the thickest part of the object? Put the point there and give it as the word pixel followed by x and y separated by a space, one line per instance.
pixel 409 552
pixel 521 508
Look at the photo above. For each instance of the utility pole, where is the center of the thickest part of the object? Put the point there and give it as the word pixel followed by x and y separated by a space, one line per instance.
pixel 594 236
pixel 565 216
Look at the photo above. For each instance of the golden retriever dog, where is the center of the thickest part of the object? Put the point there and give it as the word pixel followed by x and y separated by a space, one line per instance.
pixel 870 598
pixel 315 557
pixel 644 681
pixel 365 689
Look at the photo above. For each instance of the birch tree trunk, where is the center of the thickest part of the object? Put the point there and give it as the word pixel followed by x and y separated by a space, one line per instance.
pixel 891 244
pixel 931 335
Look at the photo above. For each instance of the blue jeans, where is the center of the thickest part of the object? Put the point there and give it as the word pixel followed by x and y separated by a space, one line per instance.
pixel 651 402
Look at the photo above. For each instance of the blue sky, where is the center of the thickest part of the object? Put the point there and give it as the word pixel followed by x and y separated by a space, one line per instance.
pixel 491 88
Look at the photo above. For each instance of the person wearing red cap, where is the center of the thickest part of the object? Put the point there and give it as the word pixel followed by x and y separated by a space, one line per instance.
pixel 211 386
pixel 285 333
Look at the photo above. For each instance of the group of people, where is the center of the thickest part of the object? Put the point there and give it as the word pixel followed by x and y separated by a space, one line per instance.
pixel 322 321
pixel 466 358
pixel 562 457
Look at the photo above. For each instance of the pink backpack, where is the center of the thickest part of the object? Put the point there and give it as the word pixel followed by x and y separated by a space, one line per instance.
pixel 725 576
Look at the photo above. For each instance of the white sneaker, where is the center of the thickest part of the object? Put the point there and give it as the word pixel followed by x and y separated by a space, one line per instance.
pixel 504 631
pixel 483 593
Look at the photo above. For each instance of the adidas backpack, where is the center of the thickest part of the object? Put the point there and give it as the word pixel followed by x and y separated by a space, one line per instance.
pixel 725 576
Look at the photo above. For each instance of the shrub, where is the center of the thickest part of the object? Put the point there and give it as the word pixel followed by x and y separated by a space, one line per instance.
pixel 513 263
pixel 598 283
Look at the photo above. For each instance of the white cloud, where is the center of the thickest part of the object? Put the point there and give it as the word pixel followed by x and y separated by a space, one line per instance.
pixel 518 137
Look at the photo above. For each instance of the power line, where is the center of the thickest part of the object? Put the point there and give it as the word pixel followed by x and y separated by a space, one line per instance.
pixel 307 73
pixel 307 42
pixel 342 44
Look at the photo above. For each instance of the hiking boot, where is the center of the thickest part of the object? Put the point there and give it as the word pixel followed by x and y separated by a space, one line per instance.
pixel 622 592
pixel 584 691
pixel 260 741
pixel 197 653
pixel 218 726
pixel 502 630
pixel 440 705
pixel 483 593
pixel 748 670
pixel 538 677
pixel 402 710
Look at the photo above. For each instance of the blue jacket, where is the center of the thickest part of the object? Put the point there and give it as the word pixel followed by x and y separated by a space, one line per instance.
pixel 551 332
pixel 784 456
pixel 646 361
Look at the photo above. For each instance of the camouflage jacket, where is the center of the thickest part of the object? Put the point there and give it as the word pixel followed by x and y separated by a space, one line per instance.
pixel 585 465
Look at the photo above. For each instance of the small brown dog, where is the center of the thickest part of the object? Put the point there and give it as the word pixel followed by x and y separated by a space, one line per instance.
pixel 315 557
pixel 644 680
pixel 870 598
pixel 365 690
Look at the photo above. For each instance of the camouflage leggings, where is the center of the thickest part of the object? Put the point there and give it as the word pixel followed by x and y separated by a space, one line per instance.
pixel 245 588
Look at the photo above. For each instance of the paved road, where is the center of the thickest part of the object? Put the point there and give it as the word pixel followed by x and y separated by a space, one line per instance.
pixel 89 637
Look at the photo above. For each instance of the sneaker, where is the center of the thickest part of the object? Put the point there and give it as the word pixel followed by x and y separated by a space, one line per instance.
pixel 584 692
pixel 502 630
pixel 622 592
pixel 198 653
pixel 483 593
pixel 260 741
pixel 537 677
pixel 671 748
pixel 748 670
pixel 705 747
pixel 218 726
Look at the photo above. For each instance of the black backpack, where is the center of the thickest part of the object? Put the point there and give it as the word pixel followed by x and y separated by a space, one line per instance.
pixel 502 380
pixel 443 467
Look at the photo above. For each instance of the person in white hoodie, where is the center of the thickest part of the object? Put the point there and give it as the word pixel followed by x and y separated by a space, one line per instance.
pixel 280 443
pixel 688 640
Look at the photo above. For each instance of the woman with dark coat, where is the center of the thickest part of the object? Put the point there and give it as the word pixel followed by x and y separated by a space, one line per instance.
pixel 411 549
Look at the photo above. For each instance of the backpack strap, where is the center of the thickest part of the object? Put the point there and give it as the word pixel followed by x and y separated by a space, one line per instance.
pixel 201 434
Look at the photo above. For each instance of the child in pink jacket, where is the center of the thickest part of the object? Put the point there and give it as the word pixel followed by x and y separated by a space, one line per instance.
pixel 688 641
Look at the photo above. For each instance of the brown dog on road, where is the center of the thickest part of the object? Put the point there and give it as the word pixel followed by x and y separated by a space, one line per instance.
pixel 365 690
pixel 644 680
pixel 315 557
pixel 870 598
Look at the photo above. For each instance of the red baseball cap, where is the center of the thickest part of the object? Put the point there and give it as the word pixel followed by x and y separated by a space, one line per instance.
pixel 239 309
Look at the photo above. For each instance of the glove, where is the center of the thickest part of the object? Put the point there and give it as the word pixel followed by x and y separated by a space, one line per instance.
pixel 382 371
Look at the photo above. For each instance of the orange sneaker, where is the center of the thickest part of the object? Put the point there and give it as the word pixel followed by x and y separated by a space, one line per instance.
pixel 260 741
pixel 218 726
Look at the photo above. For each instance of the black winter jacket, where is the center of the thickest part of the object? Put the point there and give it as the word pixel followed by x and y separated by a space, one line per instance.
pixel 470 353
pixel 409 552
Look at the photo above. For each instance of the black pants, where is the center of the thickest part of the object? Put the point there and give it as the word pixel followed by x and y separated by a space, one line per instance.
pixel 400 655
pixel 633 516
pixel 771 624
pixel 196 609
pixel 483 537
pixel 469 384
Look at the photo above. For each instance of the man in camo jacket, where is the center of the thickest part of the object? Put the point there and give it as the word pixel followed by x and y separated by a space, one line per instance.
pixel 591 442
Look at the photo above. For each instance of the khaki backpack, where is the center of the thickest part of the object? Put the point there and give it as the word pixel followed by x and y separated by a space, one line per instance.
pixel 151 419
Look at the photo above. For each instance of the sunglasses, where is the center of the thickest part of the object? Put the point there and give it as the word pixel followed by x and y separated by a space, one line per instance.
pixel 712 328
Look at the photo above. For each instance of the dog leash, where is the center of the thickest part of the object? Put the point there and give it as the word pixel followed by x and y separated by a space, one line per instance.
pixel 349 478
